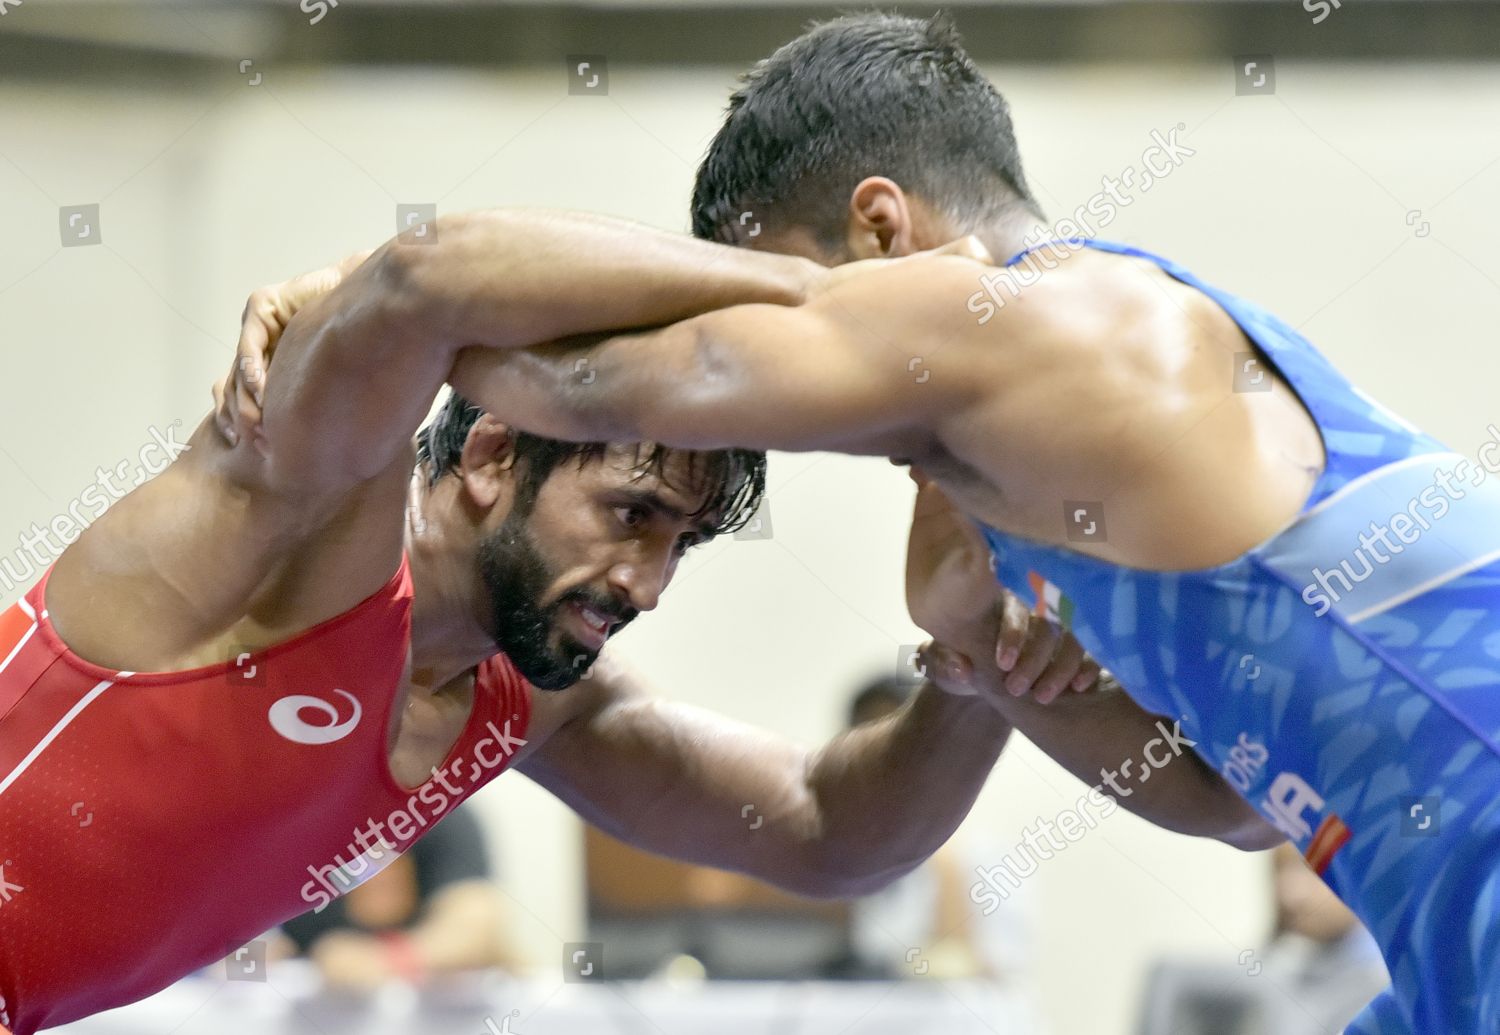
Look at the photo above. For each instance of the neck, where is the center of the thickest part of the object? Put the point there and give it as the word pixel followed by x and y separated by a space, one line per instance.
pixel 446 640
pixel 1012 233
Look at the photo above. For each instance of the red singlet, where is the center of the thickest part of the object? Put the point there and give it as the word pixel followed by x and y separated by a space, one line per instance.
pixel 150 824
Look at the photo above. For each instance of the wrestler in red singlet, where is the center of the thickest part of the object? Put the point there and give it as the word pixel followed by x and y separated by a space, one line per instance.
pixel 245 827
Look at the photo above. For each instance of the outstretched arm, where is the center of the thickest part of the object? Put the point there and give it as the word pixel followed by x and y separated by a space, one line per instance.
pixel 357 367
pixel 841 821
pixel 871 362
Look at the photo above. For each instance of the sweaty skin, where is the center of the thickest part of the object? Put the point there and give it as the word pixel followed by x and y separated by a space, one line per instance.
pixel 886 358
pixel 1104 380
pixel 244 543
pixel 1191 473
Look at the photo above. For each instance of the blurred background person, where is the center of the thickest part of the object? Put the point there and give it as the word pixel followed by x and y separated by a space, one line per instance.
pixel 926 927
pixel 1319 954
pixel 434 911
pixel 1317 972
pixel 929 908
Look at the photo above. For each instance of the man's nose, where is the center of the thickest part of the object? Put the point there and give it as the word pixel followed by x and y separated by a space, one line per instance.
pixel 642 580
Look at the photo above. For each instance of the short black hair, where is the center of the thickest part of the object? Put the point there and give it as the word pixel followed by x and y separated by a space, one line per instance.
pixel 868 94
pixel 733 481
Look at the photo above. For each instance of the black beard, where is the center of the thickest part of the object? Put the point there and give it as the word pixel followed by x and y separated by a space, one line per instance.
pixel 516 576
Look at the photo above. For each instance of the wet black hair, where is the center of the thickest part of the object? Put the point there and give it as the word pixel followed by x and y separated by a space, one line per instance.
pixel 732 482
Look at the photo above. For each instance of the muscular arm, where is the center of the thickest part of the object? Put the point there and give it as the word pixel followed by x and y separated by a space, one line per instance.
pixel 357 368
pixel 868 363
pixel 954 596
pixel 841 821
pixel 1092 734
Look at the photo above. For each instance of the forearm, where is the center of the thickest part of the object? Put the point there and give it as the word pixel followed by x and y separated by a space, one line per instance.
pixel 1107 740
pixel 517 277
pixel 366 358
pixel 891 793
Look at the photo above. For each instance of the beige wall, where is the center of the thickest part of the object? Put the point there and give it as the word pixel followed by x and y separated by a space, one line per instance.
pixel 1297 200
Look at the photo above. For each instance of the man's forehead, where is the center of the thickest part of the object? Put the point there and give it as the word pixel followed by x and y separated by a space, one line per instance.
pixel 679 478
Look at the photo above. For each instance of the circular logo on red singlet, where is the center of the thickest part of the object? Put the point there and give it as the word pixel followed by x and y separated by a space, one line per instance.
pixel 286 719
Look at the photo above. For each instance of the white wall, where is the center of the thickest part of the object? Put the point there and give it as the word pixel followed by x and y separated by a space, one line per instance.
pixel 1297 200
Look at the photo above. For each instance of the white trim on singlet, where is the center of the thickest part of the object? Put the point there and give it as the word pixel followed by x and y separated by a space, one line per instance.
pixel 1416 591
pixel 63 724
pixel 26 609
pixel 1375 474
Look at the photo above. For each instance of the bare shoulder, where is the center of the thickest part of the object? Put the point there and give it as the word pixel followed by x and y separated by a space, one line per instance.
pixel 200 560
pixel 1106 380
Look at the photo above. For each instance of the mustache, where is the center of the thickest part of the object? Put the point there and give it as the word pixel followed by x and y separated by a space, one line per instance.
pixel 611 608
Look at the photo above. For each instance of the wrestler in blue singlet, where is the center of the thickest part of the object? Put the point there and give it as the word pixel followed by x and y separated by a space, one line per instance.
pixel 1344 676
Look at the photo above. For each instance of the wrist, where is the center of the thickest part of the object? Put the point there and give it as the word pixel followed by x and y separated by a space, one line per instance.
pixel 973 712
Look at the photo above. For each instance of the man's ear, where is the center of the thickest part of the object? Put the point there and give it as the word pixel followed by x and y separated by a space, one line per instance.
pixel 880 220
pixel 487 464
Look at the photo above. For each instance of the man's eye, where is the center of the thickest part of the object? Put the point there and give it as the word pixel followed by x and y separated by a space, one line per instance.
pixel 631 517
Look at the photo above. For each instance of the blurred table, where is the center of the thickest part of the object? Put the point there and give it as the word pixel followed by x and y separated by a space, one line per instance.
pixel 291 1003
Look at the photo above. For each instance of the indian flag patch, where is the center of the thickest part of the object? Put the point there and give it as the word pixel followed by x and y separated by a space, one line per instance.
pixel 1051 604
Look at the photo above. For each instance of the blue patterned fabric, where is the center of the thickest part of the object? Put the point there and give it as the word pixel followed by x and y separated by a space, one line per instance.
pixel 1345 680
